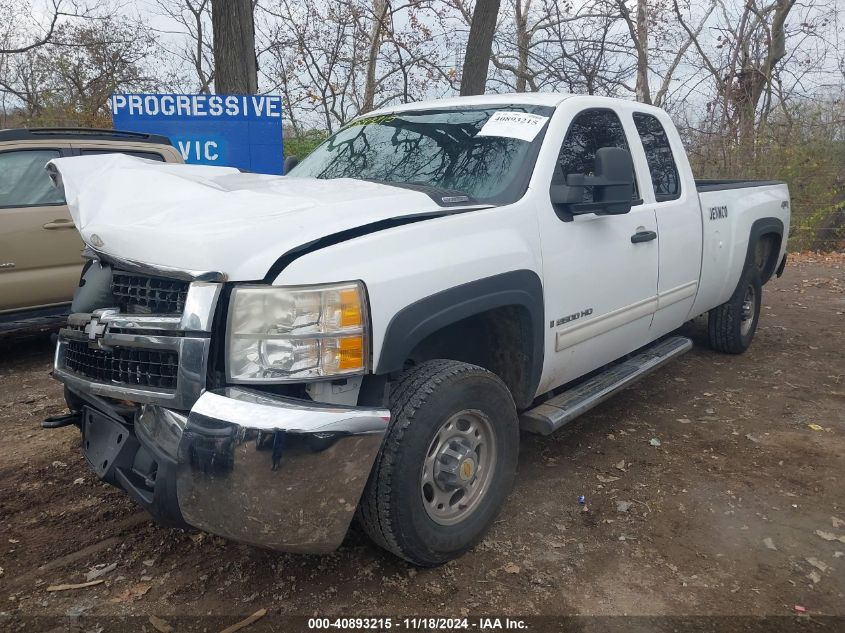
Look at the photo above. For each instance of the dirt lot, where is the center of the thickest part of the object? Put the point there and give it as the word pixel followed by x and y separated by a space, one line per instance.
pixel 733 512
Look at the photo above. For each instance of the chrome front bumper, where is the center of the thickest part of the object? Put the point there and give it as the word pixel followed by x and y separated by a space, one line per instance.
pixel 276 472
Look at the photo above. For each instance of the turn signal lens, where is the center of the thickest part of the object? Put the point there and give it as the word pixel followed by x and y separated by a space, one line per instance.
pixel 350 308
pixel 350 353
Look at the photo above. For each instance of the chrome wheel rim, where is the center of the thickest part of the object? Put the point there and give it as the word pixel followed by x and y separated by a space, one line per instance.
pixel 749 304
pixel 458 467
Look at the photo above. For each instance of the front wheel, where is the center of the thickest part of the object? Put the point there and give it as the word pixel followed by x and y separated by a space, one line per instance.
pixel 447 463
pixel 732 325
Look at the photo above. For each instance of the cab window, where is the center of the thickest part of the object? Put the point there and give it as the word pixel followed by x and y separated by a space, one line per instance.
pixel 658 154
pixel 589 132
pixel 24 181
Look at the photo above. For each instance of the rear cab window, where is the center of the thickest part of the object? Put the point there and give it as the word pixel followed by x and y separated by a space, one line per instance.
pixel 658 153
pixel 24 181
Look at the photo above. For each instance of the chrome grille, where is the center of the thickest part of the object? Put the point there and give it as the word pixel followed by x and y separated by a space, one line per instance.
pixel 125 365
pixel 149 344
pixel 136 293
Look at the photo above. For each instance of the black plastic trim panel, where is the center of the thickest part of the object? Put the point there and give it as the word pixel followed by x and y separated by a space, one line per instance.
pixel 762 227
pixel 80 133
pixel 414 323
pixel 723 185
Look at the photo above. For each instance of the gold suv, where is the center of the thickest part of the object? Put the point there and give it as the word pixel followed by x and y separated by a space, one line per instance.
pixel 40 261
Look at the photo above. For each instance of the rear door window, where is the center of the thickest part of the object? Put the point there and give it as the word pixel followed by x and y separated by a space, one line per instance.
pixel 658 153
pixel 24 181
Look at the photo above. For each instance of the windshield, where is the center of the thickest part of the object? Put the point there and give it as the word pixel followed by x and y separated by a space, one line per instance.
pixel 485 154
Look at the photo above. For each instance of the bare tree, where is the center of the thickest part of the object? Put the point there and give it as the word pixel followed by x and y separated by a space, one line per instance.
pixel 380 8
pixel 192 18
pixel 58 83
pixel 44 31
pixel 333 61
pixel 638 28
pixel 681 47
pixel 479 46
pixel 749 48
pixel 234 46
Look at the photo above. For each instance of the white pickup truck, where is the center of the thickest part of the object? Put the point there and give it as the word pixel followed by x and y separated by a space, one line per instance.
pixel 266 358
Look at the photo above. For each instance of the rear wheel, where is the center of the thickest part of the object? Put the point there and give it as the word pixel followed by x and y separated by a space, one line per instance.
pixel 446 465
pixel 732 325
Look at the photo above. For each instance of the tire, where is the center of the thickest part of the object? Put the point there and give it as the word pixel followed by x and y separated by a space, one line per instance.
pixel 732 325
pixel 407 504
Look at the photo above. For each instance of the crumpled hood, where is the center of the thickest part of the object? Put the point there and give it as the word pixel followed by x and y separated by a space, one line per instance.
pixel 204 218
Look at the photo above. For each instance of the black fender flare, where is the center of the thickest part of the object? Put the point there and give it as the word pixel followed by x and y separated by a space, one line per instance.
pixel 759 228
pixel 413 323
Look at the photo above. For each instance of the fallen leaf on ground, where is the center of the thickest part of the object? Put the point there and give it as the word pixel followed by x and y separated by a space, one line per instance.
pixel 511 568
pixel 830 536
pixel 815 562
pixel 131 594
pixel 160 625
pixel 80 585
pixel 816 427
pixel 245 622
pixel 606 479
pixel 99 570
pixel 769 543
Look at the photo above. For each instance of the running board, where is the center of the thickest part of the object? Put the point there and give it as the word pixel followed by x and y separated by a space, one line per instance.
pixel 557 411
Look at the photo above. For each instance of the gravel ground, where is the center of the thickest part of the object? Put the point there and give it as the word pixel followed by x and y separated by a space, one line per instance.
pixel 740 510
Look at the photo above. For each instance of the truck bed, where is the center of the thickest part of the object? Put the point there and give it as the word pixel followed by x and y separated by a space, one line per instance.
pixel 729 211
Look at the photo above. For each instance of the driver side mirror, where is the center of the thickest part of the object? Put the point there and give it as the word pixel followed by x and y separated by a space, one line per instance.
pixel 612 185
pixel 290 163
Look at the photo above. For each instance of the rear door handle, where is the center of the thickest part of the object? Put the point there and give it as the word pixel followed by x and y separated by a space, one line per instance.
pixel 643 236
pixel 58 224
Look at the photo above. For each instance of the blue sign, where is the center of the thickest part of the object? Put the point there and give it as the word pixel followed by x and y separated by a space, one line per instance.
pixel 228 130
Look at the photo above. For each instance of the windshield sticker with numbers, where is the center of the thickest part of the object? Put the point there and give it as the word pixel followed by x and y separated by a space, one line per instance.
pixel 521 125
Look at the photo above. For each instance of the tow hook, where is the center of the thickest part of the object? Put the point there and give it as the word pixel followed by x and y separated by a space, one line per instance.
pixel 58 421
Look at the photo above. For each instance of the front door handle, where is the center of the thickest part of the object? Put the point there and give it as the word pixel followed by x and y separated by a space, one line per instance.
pixel 643 236
pixel 58 224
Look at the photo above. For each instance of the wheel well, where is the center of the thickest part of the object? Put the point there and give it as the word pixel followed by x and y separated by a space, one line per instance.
pixel 500 340
pixel 766 252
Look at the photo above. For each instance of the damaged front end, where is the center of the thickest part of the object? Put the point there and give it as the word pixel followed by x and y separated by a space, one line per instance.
pixel 274 471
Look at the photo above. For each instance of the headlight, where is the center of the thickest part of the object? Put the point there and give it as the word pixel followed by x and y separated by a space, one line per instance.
pixel 278 334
